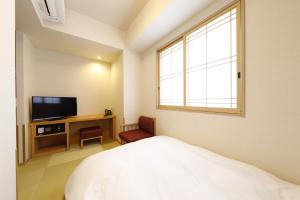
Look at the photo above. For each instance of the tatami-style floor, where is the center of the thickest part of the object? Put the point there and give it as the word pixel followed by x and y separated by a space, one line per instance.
pixel 44 178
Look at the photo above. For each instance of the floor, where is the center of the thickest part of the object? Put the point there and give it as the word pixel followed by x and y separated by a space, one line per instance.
pixel 44 178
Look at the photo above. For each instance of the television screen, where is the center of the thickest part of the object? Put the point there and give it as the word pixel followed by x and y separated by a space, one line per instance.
pixel 53 107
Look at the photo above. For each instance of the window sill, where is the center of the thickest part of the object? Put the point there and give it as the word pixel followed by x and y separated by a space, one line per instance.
pixel 226 111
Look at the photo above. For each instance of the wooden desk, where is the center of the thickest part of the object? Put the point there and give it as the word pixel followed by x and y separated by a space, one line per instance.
pixel 41 144
pixel 96 118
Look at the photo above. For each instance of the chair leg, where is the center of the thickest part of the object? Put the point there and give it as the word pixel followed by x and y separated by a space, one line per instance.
pixel 123 142
pixel 81 144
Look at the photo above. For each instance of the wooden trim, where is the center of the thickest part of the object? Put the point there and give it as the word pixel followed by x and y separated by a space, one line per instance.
pixel 16 177
pixel 184 71
pixel 240 110
pixel 171 43
pixel 23 143
pixel 230 111
pixel 42 136
pixel 32 139
pixel 67 130
pixel 29 142
pixel 242 63
pixel 113 128
pixel 17 144
pixel 157 79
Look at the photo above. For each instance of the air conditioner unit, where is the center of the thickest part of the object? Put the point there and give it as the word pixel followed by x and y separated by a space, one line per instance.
pixel 50 10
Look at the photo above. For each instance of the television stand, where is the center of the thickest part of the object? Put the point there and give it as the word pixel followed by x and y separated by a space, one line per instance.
pixel 60 141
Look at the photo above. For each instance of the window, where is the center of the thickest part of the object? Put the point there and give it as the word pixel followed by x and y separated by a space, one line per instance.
pixel 171 75
pixel 202 70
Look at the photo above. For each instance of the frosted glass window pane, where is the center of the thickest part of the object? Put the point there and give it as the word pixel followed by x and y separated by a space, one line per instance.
pixel 211 64
pixel 177 61
pixel 199 32
pixel 234 80
pixel 233 11
pixel 177 91
pixel 219 21
pixel 165 92
pixel 233 38
pixel 171 75
pixel 218 43
pixel 196 88
pixel 219 81
pixel 196 52
pixel 165 65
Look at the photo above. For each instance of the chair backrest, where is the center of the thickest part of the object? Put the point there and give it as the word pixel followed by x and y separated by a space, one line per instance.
pixel 147 124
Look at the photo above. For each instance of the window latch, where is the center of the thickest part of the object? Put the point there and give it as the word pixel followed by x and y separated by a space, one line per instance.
pixel 239 75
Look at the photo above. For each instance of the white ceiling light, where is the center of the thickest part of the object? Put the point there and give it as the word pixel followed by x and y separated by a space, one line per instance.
pixel 50 10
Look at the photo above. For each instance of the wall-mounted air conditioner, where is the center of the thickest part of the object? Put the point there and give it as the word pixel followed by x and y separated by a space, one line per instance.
pixel 50 10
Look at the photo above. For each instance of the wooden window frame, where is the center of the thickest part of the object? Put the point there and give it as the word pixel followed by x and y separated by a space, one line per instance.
pixel 240 110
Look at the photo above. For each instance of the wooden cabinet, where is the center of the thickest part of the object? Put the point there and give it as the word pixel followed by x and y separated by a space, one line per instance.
pixel 50 143
pixel 60 141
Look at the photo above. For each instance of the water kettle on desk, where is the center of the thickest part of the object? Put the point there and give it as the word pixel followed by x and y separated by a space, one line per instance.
pixel 107 112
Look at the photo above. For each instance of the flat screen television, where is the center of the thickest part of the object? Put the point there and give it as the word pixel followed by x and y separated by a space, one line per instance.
pixel 50 108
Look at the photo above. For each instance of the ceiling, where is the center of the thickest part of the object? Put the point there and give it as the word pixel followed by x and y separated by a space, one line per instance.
pixel 95 25
pixel 170 14
pixel 117 13
pixel 28 22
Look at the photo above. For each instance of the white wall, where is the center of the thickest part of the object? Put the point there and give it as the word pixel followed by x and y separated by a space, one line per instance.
pixel 57 74
pixel 268 136
pixel 7 103
pixel 131 84
pixel 142 21
pixel 86 27
pixel 117 90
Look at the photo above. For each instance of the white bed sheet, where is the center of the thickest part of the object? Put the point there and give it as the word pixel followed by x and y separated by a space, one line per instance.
pixel 164 168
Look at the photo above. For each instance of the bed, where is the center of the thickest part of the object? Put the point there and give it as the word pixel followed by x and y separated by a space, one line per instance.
pixel 164 168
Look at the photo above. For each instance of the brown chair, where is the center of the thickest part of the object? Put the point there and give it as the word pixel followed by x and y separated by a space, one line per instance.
pixel 145 128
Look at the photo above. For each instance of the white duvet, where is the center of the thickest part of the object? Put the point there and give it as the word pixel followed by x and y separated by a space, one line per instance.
pixel 164 168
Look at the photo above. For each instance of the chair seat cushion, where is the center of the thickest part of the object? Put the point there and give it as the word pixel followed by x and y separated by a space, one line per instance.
pixel 90 132
pixel 134 135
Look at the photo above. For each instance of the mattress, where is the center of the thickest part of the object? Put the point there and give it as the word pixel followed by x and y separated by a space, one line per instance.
pixel 164 168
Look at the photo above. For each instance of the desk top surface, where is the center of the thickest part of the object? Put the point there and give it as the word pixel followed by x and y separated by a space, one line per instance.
pixel 74 119
pixel 89 118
